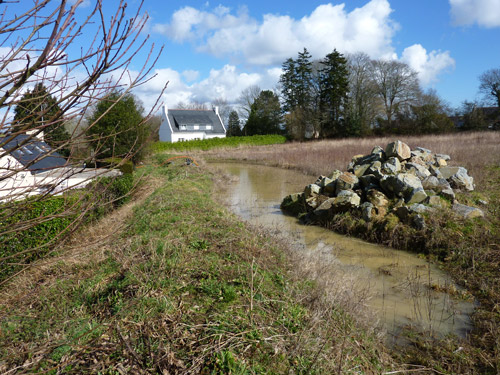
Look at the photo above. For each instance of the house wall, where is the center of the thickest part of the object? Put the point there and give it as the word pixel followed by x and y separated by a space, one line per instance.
pixel 18 185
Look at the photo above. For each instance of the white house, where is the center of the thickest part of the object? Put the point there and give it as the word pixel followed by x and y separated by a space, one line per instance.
pixel 28 166
pixel 188 124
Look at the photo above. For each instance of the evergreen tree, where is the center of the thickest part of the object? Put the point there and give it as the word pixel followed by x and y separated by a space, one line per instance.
pixel 265 115
pixel 233 127
pixel 38 109
pixel 121 132
pixel 334 89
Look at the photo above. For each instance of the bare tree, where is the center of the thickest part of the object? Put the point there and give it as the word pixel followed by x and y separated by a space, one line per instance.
pixel 224 109
pixel 246 99
pixel 490 85
pixel 364 103
pixel 39 35
pixel 396 84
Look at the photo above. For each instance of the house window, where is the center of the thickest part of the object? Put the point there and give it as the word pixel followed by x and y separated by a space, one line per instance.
pixel 208 127
pixel 181 139
pixel 183 127
pixel 196 127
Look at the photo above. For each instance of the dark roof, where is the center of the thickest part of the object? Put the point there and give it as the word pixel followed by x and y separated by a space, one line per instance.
pixel 190 118
pixel 31 152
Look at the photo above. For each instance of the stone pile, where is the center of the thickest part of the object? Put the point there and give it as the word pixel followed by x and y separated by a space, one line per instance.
pixel 394 180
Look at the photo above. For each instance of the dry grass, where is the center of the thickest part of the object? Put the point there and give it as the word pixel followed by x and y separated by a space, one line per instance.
pixel 471 150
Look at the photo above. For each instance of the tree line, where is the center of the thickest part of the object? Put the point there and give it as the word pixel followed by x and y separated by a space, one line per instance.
pixel 353 95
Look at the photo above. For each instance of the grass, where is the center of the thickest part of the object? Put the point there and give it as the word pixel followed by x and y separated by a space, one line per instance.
pixel 172 283
pixel 468 250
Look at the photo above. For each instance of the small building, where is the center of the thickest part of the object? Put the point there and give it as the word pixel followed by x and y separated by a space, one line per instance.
pixel 28 166
pixel 179 125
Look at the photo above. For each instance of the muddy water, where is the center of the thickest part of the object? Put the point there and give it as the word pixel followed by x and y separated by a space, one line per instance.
pixel 396 282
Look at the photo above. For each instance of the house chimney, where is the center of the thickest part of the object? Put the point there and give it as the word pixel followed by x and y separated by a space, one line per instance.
pixel 216 110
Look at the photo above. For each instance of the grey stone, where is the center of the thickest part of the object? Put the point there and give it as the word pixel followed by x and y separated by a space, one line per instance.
pixel 335 174
pixel 420 171
pixel 346 200
pixel 293 204
pixel 377 198
pixel 458 177
pixel 346 181
pixel 398 149
pixel 443 156
pixel 418 222
pixel 419 208
pixel 404 185
pixel 430 182
pixel 359 170
pixel 434 201
pixel 391 166
pixel 448 193
pixel 368 180
pixel 379 151
pixel 312 190
pixel 367 211
pixel 324 209
pixel 467 212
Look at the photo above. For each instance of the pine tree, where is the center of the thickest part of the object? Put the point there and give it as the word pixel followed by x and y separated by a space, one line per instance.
pixel 233 127
pixel 121 132
pixel 265 115
pixel 37 109
pixel 334 89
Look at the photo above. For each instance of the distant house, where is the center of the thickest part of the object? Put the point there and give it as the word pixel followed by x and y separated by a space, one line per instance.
pixel 187 124
pixel 28 166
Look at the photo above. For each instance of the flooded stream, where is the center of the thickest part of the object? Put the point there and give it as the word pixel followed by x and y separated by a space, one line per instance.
pixel 397 283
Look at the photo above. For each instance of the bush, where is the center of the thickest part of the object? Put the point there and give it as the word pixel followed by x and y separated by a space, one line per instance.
pixel 207 144
pixel 126 168
pixel 58 214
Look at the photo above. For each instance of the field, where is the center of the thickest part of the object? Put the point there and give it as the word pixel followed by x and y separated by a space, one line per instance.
pixel 471 150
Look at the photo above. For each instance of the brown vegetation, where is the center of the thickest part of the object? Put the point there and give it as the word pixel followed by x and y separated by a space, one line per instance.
pixel 472 150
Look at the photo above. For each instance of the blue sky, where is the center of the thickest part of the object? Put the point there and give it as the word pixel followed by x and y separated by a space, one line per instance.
pixel 216 49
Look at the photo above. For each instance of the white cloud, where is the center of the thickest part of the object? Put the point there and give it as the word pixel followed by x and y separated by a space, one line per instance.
pixel 428 65
pixel 277 37
pixel 483 12
pixel 190 75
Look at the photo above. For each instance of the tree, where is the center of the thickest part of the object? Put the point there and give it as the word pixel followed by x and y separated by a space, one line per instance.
pixel 37 36
pixel 246 99
pixel 38 109
pixel 233 127
pixel 119 129
pixel 265 115
pixel 334 89
pixel 396 84
pixel 364 104
pixel 490 85
pixel 224 109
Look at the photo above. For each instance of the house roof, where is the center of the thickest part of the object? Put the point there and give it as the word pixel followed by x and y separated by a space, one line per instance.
pixel 36 155
pixel 184 121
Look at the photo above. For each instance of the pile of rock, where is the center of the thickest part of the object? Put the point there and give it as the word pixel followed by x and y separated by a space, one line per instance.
pixel 396 180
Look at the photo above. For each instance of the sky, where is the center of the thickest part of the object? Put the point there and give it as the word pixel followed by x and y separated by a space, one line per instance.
pixel 217 49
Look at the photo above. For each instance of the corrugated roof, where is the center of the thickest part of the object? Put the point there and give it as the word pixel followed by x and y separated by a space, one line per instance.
pixel 33 153
pixel 184 121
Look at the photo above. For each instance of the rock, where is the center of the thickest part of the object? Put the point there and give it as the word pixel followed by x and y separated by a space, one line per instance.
pixel 346 181
pixel 391 166
pixel 433 201
pixel 293 204
pixel 448 194
pixel 404 185
pixel 323 211
pixel 367 211
pixel 368 180
pixel 398 149
pixel 420 171
pixel 311 190
pixel 418 222
pixel 335 174
pixel 417 160
pixel 377 198
pixel 311 203
pixel 423 150
pixel 346 200
pixel 430 183
pixel 419 208
pixel 440 162
pixel 443 156
pixel 359 170
pixel 458 177
pixel 467 212
pixel 379 151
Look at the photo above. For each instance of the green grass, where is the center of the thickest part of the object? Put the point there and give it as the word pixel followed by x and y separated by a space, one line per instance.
pixel 208 144
pixel 185 288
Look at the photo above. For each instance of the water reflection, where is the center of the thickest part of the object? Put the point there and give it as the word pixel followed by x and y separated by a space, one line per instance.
pixel 403 289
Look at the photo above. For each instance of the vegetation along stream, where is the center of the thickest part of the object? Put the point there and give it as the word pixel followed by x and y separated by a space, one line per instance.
pixel 401 288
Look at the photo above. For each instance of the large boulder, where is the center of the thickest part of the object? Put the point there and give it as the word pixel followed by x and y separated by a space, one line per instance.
pixel 458 177
pixel 398 149
pixel 346 181
pixel 293 204
pixel 312 190
pixel 404 185
pixel 467 212
pixel 418 170
pixel 391 166
pixel 346 200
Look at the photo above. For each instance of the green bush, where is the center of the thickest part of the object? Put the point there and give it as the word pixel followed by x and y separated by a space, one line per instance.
pixel 28 244
pixel 126 168
pixel 207 144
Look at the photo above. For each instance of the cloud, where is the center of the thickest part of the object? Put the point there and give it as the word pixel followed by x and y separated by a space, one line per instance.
pixel 277 37
pixel 485 13
pixel 428 65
